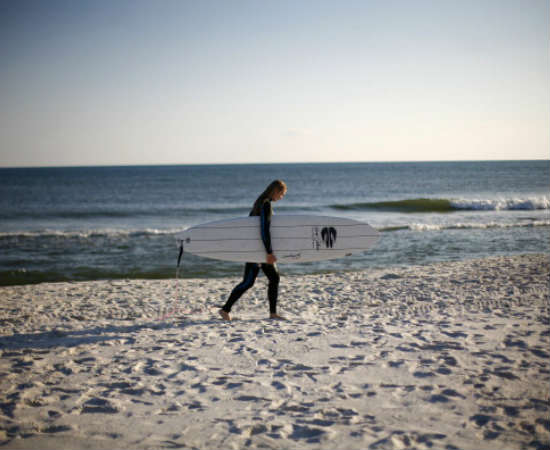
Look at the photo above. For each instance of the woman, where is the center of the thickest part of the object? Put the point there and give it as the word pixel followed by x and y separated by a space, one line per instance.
pixel 262 207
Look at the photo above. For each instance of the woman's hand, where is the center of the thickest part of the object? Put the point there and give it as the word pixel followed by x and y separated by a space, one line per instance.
pixel 271 259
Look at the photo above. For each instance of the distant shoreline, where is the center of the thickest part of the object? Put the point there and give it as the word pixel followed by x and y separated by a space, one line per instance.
pixel 275 163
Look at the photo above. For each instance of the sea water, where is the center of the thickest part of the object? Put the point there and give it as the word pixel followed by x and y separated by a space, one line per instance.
pixel 86 223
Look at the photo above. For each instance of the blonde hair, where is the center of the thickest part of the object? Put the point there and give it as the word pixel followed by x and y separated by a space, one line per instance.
pixel 270 191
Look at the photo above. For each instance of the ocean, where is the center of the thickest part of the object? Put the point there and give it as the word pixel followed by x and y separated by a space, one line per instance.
pixel 88 223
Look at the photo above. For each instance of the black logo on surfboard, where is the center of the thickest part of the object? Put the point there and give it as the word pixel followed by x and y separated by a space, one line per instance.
pixel 328 234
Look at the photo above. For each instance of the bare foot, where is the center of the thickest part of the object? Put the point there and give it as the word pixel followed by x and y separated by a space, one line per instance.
pixel 225 315
pixel 276 317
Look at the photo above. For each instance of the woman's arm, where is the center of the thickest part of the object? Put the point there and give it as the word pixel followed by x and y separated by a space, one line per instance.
pixel 265 225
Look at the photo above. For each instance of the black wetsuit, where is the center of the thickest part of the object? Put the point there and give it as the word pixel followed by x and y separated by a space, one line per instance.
pixel 251 270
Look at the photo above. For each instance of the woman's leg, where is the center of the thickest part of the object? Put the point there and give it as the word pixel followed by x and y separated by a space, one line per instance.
pixel 250 273
pixel 272 273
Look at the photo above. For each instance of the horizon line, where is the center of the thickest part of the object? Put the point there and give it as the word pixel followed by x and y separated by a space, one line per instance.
pixel 265 163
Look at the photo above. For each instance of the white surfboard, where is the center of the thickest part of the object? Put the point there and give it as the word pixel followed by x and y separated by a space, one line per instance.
pixel 293 238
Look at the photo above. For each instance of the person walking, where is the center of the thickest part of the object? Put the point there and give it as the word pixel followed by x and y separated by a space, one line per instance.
pixel 262 208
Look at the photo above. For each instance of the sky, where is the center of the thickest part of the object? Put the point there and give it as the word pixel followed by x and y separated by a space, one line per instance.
pixel 232 81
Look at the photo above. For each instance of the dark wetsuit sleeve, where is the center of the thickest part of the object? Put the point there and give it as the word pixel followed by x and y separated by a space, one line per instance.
pixel 265 224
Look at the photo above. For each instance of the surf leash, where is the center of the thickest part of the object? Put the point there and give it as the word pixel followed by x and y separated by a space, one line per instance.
pixel 178 284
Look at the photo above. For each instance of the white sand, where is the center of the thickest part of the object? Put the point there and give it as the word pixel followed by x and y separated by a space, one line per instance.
pixel 449 356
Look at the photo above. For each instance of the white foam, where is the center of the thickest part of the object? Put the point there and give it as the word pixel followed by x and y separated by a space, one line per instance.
pixel 510 204
pixel 86 234
pixel 476 226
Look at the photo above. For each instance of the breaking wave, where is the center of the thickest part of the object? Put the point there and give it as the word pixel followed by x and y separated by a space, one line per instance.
pixel 427 205
pixel 89 234
pixel 152 232
pixel 464 226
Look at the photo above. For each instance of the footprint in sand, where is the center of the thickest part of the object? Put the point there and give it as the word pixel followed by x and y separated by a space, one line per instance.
pixel 98 405
pixel 309 434
pixel 56 429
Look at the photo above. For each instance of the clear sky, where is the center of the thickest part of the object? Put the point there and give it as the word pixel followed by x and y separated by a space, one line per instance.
pixel 174 82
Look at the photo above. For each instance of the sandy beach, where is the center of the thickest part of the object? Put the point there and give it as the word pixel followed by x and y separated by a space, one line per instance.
pixel 453 355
